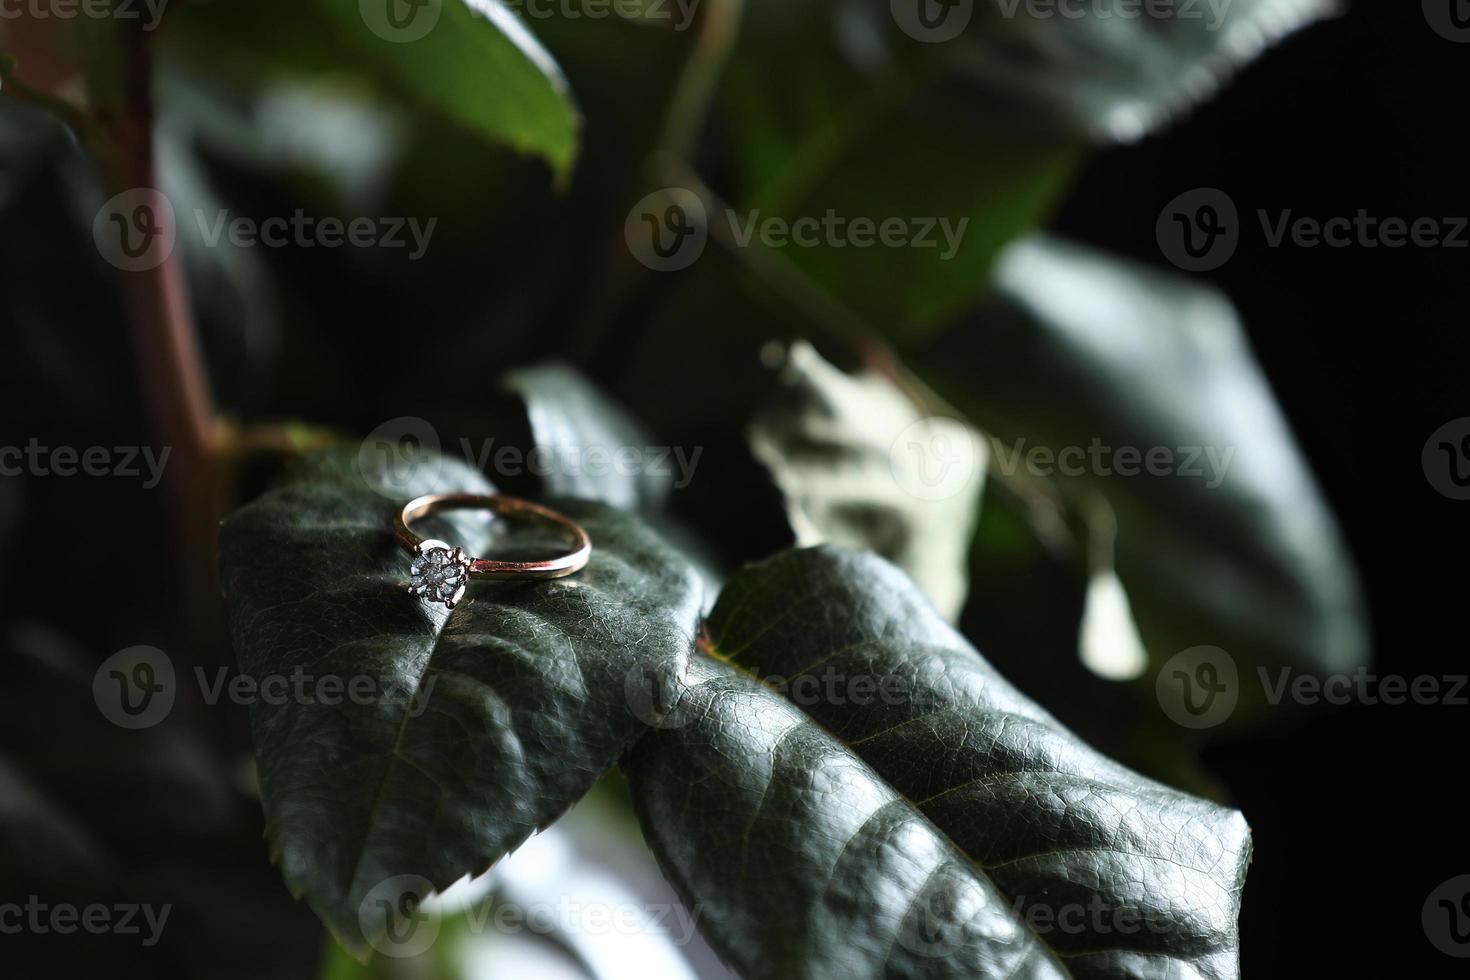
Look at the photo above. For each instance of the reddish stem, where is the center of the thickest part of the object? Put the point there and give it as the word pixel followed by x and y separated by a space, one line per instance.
pixel 174 382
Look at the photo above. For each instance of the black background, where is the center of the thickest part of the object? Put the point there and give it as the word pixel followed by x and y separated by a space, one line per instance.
pixel 1358 811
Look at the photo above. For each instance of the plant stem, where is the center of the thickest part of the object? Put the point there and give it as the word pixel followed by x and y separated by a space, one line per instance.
pixel 119 78
pixel 840 325
pixel 117 63
pixel 718 27
pixel 715 27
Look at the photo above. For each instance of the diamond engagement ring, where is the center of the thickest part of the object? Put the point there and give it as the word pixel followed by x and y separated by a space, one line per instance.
pixel 441 571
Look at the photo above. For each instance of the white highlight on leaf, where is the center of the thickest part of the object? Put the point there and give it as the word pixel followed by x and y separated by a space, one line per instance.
pixel 1108 640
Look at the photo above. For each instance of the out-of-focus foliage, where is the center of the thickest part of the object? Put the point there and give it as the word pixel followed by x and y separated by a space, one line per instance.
pixel 859 466
pixel 1229 537
pixel 149 818
pixel 475 65
pixel 527 139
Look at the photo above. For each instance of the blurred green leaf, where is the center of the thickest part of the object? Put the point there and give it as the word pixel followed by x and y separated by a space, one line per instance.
pixel 944 826
pixel 1112 69
pixel 1080 367
pixel 851 133
pixel 860 467
pixel 528 684
pixel 469 61
pixel 91 813
pixel 970 112
pixel 1101 69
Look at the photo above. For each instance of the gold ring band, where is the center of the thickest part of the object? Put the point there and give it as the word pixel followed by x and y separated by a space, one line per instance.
pixel 440 570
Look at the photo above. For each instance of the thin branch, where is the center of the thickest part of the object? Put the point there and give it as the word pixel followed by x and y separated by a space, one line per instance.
pixel 119 80
pixel 118 70
pixel 717 28
pixel 840 324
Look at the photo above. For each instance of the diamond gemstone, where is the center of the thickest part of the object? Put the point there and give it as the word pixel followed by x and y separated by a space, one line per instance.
pixel 436 575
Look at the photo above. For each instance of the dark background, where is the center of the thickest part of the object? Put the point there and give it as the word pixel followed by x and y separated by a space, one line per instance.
pixel 1358 811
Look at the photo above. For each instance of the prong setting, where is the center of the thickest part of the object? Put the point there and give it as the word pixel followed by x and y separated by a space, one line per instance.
pixel 439 573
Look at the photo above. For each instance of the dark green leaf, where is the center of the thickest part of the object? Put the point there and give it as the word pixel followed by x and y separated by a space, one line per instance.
pixel 584 437
pixel 585 445
pixel 492 719
pixel 1233 544
pixel 902 811
pixel 468 61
